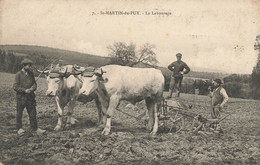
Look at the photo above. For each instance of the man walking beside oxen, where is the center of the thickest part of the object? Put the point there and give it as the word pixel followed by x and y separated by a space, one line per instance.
pixel 25 85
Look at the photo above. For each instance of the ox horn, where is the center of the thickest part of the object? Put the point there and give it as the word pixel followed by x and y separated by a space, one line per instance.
pixel 43 72
pixel 98 72
pixel 79 68
pixel 46 71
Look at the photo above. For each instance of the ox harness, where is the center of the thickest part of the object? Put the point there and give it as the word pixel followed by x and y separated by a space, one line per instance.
pixel 63 72
pixel 100 90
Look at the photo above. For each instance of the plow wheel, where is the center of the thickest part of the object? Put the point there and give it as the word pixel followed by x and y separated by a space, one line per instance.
pixel 173 122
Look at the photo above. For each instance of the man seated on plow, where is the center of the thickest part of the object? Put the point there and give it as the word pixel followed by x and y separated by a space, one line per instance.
pixel 219 98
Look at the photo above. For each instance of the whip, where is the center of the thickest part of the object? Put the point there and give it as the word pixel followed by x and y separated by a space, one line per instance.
pixel 46 68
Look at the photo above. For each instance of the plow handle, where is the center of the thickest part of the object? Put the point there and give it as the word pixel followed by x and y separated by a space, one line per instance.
pixel 216 121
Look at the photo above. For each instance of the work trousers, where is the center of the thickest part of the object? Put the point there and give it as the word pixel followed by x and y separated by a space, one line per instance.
pixel 30 105
pixel 175 83
pixel 215 112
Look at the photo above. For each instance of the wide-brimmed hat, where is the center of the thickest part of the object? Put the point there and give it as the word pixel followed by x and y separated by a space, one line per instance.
pixel 26 61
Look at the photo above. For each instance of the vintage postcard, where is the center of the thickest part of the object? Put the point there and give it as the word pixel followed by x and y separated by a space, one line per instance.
pixel 129 82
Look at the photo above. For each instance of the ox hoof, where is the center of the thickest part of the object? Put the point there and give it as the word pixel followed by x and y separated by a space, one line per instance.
pixel 149 127
pixel 153 133
pixel 100 127
pixel 100 123
pixel 106 131
pixel 57 128
pixel 73 121
pixel 68 126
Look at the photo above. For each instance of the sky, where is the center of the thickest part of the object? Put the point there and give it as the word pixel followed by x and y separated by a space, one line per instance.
pixel 218 35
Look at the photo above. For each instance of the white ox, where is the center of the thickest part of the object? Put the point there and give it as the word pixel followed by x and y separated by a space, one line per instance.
pixel 113 83
pixel 65 88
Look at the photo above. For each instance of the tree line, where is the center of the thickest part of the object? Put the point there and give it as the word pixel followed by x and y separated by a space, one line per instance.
pixel 236 85
pixel 242 86
pixel 10 62
pixel 255 84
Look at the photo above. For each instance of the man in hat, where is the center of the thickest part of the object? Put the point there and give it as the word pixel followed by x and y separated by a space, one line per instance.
pixel 219 98
pixel 177 68
pixel 25 85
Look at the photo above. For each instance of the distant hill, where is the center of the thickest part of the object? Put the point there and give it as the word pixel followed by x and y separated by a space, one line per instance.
pixel 65 56
pixel 11 56
pixel 72 57
pixel 211 70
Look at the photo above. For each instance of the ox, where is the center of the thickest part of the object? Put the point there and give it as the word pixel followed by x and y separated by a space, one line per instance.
pixel 64 84
pixel 113 83
pixel 203 85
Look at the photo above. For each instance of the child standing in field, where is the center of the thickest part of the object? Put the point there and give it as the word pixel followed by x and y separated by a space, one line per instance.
pixel 25 85
pixel 219 98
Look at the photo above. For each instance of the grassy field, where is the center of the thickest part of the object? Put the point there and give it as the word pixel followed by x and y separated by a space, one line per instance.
pixel 129 141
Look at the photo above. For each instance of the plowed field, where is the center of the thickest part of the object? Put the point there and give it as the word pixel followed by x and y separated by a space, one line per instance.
pixel 129 142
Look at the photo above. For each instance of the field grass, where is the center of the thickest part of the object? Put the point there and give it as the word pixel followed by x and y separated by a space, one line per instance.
pixel 129 141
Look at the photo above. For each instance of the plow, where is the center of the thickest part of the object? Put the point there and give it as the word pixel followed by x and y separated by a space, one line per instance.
pixel 175 117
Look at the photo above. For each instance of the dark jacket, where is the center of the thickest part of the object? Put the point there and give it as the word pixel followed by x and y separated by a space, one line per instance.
pixel 24 80
pixel 177 67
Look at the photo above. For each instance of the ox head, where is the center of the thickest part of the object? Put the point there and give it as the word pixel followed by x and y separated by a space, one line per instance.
pixel 91 79
pixel 54 77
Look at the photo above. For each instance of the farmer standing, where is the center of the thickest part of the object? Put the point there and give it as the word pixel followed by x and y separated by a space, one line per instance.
pixel 219 98
pixel 177 68
pixel 25 85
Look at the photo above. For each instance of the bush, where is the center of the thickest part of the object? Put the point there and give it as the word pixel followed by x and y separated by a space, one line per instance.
pixel 255 84
pixel 233 89
pixel 238 78
pixel 187 88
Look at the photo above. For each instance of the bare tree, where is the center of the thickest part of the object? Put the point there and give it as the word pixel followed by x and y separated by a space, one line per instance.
pixel 124 54
pixel 147 55
pixel 121 53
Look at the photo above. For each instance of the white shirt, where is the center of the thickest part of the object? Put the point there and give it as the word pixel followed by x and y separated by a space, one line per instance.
pixel 224 95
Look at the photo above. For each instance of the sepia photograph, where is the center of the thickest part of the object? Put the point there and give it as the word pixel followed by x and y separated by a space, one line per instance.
pixel 129 82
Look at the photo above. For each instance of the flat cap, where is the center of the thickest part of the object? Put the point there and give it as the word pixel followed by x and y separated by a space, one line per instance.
pixel 26 61
pixel 218 81
pixel 178 54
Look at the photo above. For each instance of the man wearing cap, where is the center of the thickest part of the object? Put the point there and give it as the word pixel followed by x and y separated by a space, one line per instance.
pixel 177 68
pixel 25 85
pixel 219 98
